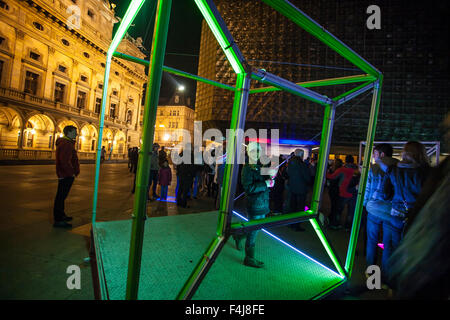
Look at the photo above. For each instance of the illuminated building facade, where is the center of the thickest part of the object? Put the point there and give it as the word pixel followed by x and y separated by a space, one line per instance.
pixel 172 117
pixel 51 75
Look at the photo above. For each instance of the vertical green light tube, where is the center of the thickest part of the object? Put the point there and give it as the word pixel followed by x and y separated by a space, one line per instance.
pixel 228 189
pixel 363 180
pixel 131 13
pixel 324 152
pixel 100 137
pixel 234 146
pixel 151 104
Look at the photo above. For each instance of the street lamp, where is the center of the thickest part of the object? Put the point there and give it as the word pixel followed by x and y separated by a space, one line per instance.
pixel 181 87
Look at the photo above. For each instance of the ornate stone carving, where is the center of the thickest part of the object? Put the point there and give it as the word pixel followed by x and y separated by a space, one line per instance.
pixel 20 34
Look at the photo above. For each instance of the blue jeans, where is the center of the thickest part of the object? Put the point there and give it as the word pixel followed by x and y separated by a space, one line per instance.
pixel 153 179
pixel 195 189
pixel 393 236
pixel 374 226
pixel 164 190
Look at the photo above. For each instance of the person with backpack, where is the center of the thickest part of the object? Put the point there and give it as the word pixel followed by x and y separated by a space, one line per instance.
pixel 406 180
pixel 378 205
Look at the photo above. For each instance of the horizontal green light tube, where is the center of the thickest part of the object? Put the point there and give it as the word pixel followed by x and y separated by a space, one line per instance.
pixel 131 13
pixel 309 25
pixel 198 78
pixel 219 35
pixel 290 87
pixel 174 71
pixel 321 83
pixel 347 96
pixel 266 221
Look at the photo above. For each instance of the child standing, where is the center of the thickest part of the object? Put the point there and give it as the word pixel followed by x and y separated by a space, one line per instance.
pixel 165 178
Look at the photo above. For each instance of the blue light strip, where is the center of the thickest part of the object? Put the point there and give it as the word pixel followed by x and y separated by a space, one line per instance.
pixel 169 197
pixel 293 248
pixel 298 142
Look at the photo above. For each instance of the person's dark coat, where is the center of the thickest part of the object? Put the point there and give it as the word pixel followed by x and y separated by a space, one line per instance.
pixel 407 181
pixel 162 156
pixel 299 176
pixel 134 159
pixel 256 190
pixel 67 164
pixel 420 266
pixel 186 171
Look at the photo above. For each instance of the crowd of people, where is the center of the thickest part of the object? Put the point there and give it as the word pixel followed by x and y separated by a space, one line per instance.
pixel 193 178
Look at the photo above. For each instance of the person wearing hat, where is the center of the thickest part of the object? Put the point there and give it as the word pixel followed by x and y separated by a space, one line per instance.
pixel 256 187
pixel 154 169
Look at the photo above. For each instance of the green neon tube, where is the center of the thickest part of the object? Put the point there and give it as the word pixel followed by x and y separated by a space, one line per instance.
pixel 273 219
pixel 321 83
pixel 100 138
pixel 198 78
pixel 142 175
pixel 327 246
pixel 219 35
pixel 346 94
pixel 128 18
pixel 132 10
pixel 233 148
pixel 324 151
pixel 363 180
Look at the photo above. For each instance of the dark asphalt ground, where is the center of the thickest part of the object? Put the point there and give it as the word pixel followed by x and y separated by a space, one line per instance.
pixel 35 256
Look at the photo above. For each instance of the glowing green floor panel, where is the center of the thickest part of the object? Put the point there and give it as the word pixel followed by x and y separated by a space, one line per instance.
pixel 174 244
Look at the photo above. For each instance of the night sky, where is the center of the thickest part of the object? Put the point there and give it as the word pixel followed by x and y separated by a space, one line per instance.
pixel 183 42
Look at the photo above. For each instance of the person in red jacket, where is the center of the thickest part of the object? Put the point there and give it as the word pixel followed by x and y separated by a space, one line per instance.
pixel 67 168
pixel 165 178
pixel 346 177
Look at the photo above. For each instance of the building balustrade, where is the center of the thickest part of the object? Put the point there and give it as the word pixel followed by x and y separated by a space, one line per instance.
pixel 21 96
pixel 29 154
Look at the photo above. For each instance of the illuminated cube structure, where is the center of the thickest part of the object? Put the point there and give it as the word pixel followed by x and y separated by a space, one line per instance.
pixel 370 79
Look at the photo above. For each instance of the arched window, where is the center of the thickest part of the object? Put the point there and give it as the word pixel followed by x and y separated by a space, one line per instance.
pixel 38 26
pixel 4 5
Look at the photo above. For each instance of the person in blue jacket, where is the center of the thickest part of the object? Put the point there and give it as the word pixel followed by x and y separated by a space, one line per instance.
pixel 378 205
pixel 256 187
pixel 407 179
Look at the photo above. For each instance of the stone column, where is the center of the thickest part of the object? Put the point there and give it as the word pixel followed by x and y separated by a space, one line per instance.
pixel 17 61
